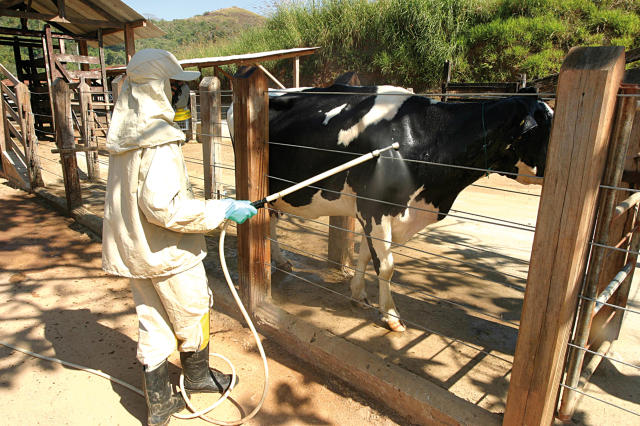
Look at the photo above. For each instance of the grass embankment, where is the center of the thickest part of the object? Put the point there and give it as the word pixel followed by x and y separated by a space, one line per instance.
pixel 405 42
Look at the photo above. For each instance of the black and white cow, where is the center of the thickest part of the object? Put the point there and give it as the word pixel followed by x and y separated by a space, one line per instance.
pixel 508 135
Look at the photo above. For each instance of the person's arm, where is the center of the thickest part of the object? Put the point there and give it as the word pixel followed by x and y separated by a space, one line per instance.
pixel 165 203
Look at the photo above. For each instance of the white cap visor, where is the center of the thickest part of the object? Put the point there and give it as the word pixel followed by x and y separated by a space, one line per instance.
pixel 186 75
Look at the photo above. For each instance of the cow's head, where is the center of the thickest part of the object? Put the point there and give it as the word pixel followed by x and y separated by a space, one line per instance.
pixel 530 140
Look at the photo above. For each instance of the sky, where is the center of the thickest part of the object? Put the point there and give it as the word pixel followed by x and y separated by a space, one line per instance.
pixel 166 9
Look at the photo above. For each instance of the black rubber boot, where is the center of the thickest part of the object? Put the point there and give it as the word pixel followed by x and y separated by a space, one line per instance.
pixel 198 377
pixel 161 402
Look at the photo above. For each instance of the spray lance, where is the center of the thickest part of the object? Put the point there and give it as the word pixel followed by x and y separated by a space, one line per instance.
pixel 258 204
pixel 361 159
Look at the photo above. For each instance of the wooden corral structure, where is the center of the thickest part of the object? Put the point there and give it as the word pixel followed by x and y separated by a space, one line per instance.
pixel 594 145
pixel 41 56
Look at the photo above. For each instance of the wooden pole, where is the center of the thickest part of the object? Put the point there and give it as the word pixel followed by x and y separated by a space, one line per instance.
pixel 116 86
pixel 86 130
pixel 64 139
pixel 129 42
pixel 585 102
pixel 296 71
pixel 3 136
pixel 251 132
pixel 193 107
pixel 446 78
pixel 30 139
pixel 210 133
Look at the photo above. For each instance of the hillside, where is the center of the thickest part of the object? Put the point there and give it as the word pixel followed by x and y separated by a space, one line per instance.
pixel 208 28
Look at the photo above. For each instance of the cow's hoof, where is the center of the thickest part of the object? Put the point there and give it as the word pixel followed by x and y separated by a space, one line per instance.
pixel 395 324
pixel 362 304
pixel 285 266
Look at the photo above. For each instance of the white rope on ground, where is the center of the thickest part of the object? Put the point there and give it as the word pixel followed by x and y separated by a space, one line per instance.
pixel 195 413
pixel 76 366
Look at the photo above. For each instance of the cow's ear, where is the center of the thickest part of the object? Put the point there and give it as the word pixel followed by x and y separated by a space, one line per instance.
pixel 527 124
pixel 528 89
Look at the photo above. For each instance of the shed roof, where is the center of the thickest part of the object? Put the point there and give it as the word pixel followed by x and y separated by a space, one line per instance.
pixel 85 17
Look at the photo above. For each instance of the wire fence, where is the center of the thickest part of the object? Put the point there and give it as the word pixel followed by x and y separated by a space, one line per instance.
pixel 475 270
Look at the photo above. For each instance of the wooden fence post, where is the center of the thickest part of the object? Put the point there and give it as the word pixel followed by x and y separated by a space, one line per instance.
pixel 86 131
pixel 27 127
pixel 3 138
pixel 116 86
pixel 65 142
pixel 585 102
pixel 251 132
pixel 210 134
pixel 193 108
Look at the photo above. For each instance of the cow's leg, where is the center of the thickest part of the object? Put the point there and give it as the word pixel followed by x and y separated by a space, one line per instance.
pixel 276 254
pixel 380 245
pixel 358 291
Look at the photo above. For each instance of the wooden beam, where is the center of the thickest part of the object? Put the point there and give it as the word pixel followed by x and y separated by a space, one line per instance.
pixel 65 139
pixel 60 19
pixel 251 132
pixel 132 24
pixel 129 42
pixel 296 71
pixel 81 59
pixel 62 12
pixel 87 132
pixel 210 134
pixel 33 33
pixel 587 91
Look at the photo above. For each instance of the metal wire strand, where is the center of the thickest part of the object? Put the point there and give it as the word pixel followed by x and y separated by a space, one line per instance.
pixel 622 308
pixel 408 247
pixel 409 94
pixel 593 243
pixel 409 160
pixel 599 399
pixel 416 325
pixel 505 223
pixel 637 367
pixel 422 292
pixel 619 188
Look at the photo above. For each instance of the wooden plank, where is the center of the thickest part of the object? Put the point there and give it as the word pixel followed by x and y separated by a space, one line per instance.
pixel 129 42
pixel 251 133
pixel 46 37
pixel 271 76
pixel 64 139
pixel 16 132
pixel 86 131
pixel 10 111
pixel 78 74
pixel 296 71
pixel 10 94
pixel 8 74
pixel 35 172
pixel 193 107
pixel 585 102
pixel 3 136
pixel 103 73
pixel 33 33
pixel 210 133
pixel 81 59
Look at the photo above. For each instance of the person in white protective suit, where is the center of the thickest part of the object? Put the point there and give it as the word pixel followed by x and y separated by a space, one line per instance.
pixel 153 232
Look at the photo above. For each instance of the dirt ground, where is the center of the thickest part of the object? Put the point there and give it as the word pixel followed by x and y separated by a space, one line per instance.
pixel 56 301
pixel 459 286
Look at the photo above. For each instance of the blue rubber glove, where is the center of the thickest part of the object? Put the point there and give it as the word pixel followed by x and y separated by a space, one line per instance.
pixel 239 210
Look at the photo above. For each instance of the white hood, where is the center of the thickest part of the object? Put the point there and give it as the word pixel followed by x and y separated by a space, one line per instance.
pixel 143 116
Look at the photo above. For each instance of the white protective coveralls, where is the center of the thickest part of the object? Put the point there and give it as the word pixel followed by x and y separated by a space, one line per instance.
pixel 153 227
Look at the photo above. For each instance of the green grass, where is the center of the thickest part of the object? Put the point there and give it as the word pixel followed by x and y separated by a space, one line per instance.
pixel 405 42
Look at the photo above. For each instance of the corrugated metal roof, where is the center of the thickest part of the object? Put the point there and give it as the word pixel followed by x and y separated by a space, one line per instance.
pixel 98 10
